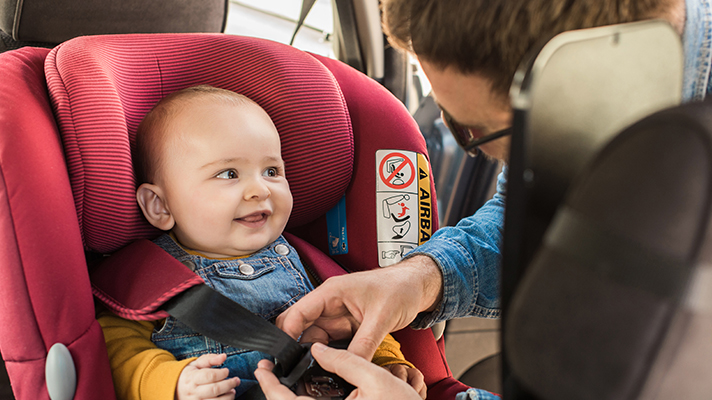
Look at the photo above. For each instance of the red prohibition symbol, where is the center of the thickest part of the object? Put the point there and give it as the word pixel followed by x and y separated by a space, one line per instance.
pixel 394 163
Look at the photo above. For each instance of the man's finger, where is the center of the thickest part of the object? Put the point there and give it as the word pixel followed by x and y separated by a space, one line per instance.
pixel 301 315
pixel 271 386
pixel 368 337
pixel 315 334
pixel 351 367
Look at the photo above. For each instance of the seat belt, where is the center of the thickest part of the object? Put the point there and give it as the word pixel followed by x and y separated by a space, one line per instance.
pixel 350 48
pixel 216 316
pixel 306 7
pixel 143 282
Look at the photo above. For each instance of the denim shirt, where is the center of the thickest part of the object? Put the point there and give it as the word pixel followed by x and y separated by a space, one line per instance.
pixel 266 283
pixel 468 254
pixel 697 48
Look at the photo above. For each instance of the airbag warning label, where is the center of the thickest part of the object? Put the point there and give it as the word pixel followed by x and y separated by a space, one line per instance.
pixel 404 200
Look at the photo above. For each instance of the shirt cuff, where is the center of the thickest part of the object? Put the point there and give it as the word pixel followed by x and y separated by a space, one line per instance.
pixel 477 394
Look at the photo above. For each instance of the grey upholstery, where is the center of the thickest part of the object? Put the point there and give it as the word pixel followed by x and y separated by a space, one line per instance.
pixel 617 303
pixel 54 21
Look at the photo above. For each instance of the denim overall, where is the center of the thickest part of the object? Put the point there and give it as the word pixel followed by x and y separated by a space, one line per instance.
pixel 266 283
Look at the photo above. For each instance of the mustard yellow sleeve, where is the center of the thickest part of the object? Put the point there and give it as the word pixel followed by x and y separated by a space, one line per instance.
pixel 141 371
pixel 389 352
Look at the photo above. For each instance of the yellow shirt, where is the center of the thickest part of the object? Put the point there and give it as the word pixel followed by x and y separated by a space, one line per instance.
pixel 141 370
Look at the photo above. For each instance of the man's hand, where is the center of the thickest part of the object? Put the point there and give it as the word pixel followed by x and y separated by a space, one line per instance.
pixel 411 376
pixel 372 382
pixel 366 305
pixel 199 380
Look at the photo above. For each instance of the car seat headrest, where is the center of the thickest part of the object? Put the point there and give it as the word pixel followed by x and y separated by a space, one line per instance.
pixel 54 21
pixel 608 287
pixel 102 86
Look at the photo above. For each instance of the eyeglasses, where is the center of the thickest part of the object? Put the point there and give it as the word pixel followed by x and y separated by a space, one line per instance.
pixel 470 138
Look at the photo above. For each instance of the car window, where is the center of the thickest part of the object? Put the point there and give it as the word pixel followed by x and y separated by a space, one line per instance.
pixel 277 19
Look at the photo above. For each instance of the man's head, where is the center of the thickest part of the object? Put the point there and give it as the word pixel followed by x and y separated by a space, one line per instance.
pixel 484 41
pixel 210 170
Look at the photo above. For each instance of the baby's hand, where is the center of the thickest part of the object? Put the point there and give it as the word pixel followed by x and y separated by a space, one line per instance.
pixel 199 380
pixel 411 375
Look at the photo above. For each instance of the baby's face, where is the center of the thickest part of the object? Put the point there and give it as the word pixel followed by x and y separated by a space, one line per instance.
pixel 224 179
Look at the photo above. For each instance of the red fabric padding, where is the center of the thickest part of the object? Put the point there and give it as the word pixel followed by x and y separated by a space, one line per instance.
pixel 314 259
pixel 380 121
pixel 152 275
pixel 102 86
pixel 45 296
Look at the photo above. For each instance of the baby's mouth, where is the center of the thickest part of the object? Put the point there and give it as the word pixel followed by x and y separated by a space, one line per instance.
pixel 254 218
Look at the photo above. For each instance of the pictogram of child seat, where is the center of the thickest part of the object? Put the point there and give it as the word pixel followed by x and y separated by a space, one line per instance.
pixel 68 119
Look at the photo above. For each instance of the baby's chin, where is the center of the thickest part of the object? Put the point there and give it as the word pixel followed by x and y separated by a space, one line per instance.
pixel 231 249
pixel 230 252
pixel 241 251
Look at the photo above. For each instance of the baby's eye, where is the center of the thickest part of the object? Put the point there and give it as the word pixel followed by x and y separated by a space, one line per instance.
pixel 227 174
pixel 271 172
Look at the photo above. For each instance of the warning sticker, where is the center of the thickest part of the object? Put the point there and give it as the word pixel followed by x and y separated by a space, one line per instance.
pixel 404 200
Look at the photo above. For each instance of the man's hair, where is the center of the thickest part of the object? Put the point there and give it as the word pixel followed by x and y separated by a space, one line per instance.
pixel 490 38
pixel 153 129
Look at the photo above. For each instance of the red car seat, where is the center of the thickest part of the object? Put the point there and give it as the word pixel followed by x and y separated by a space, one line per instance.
pixel 68 118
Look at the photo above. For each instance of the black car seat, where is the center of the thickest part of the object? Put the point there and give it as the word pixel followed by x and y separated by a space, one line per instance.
pixel 617 302
pixel 609 297
pixel 47 23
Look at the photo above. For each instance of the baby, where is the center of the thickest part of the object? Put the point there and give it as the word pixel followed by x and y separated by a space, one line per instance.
pixel 211 175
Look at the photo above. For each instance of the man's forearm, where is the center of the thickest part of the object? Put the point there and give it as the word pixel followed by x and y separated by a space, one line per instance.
pixel 428 276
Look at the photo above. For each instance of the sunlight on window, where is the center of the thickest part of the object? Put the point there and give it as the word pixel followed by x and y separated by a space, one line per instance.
pixel 277 19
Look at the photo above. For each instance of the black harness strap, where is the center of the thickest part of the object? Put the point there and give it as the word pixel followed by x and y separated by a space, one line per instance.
pixel 144 282
pixel 206 311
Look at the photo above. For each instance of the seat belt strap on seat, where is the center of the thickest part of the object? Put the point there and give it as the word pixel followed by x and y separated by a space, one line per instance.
pixel 218 317
pixel 144 282
pixel 351 49
pixel 306 7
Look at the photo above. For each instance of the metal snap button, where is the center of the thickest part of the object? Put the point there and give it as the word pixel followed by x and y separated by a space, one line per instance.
pixel 281 249
pixel 189 264
pixel 246 269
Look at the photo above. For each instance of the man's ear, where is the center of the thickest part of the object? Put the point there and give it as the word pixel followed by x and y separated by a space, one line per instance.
pixel 152 202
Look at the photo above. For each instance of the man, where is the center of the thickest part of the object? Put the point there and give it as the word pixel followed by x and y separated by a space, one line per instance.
pixel 469 50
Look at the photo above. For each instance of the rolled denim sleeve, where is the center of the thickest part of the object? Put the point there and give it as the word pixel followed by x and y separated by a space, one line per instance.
pixel 477 394
pixel 469 256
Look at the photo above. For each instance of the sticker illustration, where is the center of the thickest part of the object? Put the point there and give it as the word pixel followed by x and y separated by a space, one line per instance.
pixel 403 196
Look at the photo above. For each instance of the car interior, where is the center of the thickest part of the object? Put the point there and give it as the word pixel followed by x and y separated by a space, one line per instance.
pixel 606 288
pixel 83 99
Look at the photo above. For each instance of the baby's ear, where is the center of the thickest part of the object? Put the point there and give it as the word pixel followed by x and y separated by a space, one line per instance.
pixel 152 202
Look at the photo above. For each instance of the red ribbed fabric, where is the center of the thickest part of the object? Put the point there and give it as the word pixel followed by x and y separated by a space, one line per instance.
pixel 102 86
pixel 45 295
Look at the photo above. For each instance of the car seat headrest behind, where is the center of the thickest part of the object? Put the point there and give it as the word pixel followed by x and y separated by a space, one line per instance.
pixel 54 21
pixel 608 286
pixel 102 86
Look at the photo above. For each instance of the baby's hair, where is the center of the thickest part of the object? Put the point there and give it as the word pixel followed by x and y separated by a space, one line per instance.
pixel 151 132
